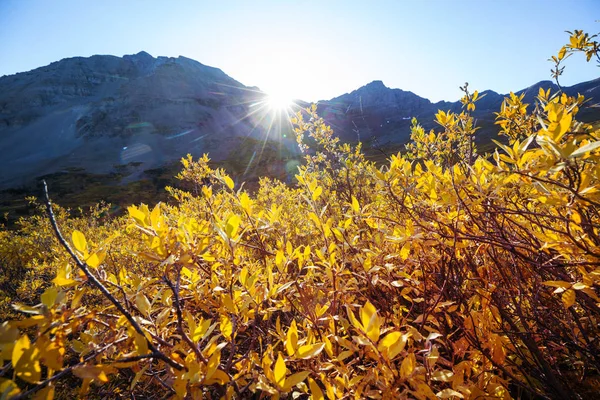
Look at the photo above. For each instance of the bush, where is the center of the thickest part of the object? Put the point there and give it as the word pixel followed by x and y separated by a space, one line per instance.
pixel 444 274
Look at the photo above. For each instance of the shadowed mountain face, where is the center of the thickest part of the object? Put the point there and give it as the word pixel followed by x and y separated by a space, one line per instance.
pixel 102 113
pixel 378 115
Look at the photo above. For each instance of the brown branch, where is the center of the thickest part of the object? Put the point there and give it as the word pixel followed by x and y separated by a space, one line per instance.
pixel 186 338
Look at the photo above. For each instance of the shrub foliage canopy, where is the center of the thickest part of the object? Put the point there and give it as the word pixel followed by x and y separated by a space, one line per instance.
pixel 442 274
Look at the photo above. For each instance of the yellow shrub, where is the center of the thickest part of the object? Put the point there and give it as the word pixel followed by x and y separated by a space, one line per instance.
pixel 442 274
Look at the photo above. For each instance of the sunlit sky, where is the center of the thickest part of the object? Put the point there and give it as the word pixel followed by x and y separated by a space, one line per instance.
pixel 314 50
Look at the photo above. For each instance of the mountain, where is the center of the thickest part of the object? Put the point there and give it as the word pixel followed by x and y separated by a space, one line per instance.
pixel 380 116
pixel 104 112
pixel 131 115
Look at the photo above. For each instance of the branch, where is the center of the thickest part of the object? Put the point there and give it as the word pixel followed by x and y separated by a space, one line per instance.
pixel 185 337
pixel 156 353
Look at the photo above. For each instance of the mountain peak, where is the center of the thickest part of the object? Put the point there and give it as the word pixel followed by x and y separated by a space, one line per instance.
pixel 376 84
pixel 143 54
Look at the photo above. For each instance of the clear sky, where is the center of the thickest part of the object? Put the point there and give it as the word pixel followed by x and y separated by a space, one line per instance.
pixel 314 50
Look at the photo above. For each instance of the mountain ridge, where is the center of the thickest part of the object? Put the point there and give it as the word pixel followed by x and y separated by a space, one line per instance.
pixel 102 112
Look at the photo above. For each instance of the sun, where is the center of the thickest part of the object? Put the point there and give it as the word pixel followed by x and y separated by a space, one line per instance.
pixel 279 101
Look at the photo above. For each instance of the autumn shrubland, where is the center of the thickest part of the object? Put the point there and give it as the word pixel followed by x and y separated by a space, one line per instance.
pixel 443 274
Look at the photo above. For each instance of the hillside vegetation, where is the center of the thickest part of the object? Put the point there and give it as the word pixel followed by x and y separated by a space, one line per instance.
pixel 442 274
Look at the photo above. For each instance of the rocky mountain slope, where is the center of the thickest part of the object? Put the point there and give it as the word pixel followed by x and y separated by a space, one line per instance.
pixel 103 112
pixel 378 115
pixel 136 113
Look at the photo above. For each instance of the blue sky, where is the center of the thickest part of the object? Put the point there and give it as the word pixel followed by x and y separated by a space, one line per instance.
pixel 315 50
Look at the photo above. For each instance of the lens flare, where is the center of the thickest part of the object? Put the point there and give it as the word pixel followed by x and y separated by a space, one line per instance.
pixel 279 101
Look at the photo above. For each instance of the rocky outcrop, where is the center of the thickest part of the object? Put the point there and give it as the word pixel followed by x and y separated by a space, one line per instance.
pixel 91 112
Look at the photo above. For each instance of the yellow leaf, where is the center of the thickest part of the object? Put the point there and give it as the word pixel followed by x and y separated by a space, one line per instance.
pixel 243 276
pixel 446 393
pixel 142 303
pixel 218 377
pixel 180 387
pixel 155 219
pixel 313 217
pixel 370 321
pixel 79 241
pixel 141 344
pixel 77 297
pixel 405 251
pixel 51 353
pixel 279 372
pixel 295 379
pixel 561 54
pixel 95 259
pixel 137 215
pixel 568 298
pixel 280 260
pixel 558 284
pixel 25 360
pixel 585 149
pixel 232 225
pixel 355 205
pixel 392 344
pixel 63 276
pixel 310 350
pixel 228 182
pixel 92 372
pixel 226 327
pixel 498 350
pixel 49 296
pixel 212 364
pixel 21 345
pixel 315 391
pixel 408 365
pixel 245 202
pixel 291 343
pixel 442 375
pixel 317 193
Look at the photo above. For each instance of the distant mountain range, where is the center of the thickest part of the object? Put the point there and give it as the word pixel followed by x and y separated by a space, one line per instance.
pixel 377 114
pixel 105 113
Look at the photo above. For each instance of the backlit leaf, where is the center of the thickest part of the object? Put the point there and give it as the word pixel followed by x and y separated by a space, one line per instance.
pixel 279 371
pixel 568 298
pixel 228 182
pixel 79 241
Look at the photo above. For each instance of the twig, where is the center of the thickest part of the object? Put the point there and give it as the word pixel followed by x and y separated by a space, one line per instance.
pixel 156 353
pixel 184 335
